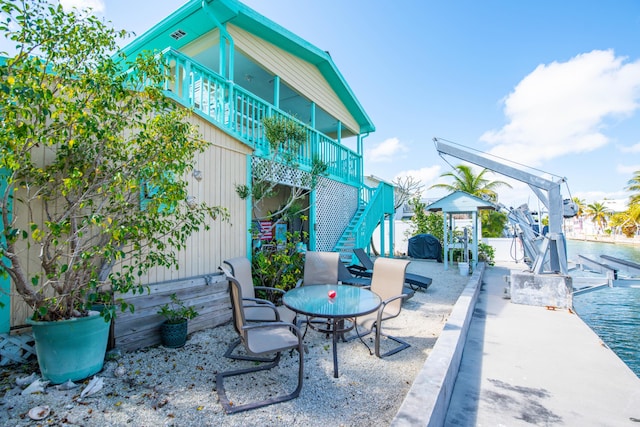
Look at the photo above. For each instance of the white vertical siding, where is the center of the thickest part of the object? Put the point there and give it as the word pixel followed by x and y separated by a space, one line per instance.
pixel 223 166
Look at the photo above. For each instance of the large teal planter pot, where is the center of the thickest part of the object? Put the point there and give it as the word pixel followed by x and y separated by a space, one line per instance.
pixel 71 349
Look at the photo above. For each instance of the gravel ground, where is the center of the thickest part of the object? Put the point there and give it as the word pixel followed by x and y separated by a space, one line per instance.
pixel 176 387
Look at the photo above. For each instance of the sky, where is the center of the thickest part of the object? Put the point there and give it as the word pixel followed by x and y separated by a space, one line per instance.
pixel 552 85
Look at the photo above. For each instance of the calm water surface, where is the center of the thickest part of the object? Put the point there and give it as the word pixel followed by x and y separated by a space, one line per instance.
pixel 613 313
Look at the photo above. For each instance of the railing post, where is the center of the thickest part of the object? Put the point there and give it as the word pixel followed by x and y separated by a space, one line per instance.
pixel 187 85
pixel 382 240
pixel 312 220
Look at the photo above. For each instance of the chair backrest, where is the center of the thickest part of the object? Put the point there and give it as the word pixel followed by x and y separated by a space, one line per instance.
pixel 321 267
pixel 235 294
pixel 388 281
pixel 241 271
pixel 363 258
pixel 344 275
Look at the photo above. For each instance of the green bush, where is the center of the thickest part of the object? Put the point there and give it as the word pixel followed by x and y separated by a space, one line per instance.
pixel 280 268
pixel 486 253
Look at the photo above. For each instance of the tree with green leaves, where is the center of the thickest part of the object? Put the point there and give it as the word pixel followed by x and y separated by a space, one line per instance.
pixel 424 222
pixel 465 179
pixel 633 185
pixel 96 160
pixel 599 215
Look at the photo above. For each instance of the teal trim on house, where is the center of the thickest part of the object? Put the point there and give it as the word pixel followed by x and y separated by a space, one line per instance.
pixel 240 113
pixel 312 220
pixel 232 89
pixel 5 282
pixel 249 209
pixel 193 17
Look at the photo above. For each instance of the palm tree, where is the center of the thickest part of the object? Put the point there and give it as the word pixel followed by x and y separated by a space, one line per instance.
pixel 598 214
pixel 464 179
pixel 634 185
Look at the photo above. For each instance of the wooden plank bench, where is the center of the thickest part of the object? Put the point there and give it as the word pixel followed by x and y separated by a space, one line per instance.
pixel 207 294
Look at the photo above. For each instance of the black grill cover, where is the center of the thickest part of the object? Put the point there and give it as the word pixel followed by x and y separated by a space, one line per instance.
pixel 425 246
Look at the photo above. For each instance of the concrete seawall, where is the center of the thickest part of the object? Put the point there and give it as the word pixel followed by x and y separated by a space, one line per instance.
pixel 428 399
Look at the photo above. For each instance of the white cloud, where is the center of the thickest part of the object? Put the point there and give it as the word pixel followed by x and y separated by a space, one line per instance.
pixel 633 149
pixel 97 6
pixel 385 151
pixel 627 169
pixel 562 108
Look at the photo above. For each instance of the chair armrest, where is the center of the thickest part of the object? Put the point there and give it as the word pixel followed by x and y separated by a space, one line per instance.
pixel 299 283
pixel 389 300
pixel 269 288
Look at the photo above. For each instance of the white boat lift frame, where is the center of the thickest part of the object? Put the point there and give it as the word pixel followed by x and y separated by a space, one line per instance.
pixel 553 246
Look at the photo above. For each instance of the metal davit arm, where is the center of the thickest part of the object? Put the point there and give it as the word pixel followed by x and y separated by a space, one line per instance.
pixel 554 245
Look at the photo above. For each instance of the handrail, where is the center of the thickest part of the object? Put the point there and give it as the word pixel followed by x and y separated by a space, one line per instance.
pixel 378 202
pixel 241 113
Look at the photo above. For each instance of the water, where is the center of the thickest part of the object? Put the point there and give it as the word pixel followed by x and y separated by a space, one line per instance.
pixel 613 313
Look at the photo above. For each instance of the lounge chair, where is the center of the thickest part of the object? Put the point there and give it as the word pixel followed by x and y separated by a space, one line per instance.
pixel 387 281
pixel 415 281
pixel 259 339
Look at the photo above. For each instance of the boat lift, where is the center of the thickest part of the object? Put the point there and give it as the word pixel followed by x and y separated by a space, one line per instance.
pixel 548 252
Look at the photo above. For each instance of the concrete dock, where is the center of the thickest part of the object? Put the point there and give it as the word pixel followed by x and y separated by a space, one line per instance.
pixel 520 366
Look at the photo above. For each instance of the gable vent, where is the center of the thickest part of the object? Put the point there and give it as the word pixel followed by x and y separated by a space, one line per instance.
pixel 178 34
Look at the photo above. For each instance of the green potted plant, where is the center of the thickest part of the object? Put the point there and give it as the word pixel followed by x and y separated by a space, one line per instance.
pixel 173 331
pixel 94 162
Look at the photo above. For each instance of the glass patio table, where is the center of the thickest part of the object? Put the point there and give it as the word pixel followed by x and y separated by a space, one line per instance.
pixel 349 302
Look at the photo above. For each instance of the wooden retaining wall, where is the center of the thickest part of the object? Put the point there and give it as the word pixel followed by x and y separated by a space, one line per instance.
pixel 209 295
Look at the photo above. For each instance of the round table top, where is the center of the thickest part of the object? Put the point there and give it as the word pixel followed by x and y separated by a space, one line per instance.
pixel 313 300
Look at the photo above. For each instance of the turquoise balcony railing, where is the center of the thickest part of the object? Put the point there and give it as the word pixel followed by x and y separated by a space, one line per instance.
pixel 241 113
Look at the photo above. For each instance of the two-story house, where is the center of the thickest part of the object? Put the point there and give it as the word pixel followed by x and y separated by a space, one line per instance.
pixel 234 67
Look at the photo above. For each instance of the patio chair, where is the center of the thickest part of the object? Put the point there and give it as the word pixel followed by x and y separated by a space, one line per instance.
pixel 320 268
pixel 347 278
pixel 387 281
pixel 255 309
pixel 259 339
pixel 414 281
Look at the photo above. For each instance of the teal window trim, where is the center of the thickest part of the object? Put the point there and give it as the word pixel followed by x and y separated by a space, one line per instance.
pixel 148 193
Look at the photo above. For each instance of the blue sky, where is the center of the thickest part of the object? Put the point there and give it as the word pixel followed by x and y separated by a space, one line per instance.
pixel 554 85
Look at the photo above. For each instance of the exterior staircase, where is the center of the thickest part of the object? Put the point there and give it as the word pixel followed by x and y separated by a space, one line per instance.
pixel 374 204
pixel 348 240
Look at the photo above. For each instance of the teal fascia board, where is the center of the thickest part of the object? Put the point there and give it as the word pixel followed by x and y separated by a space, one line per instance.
pixel 194 21
pixel 190 17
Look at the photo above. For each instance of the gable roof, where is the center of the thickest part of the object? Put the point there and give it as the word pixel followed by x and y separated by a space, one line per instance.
pixel 198 16
pixel 458 202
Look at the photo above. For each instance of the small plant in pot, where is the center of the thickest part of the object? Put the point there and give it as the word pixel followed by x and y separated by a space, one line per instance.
pixel 93 187
pixel 173 331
